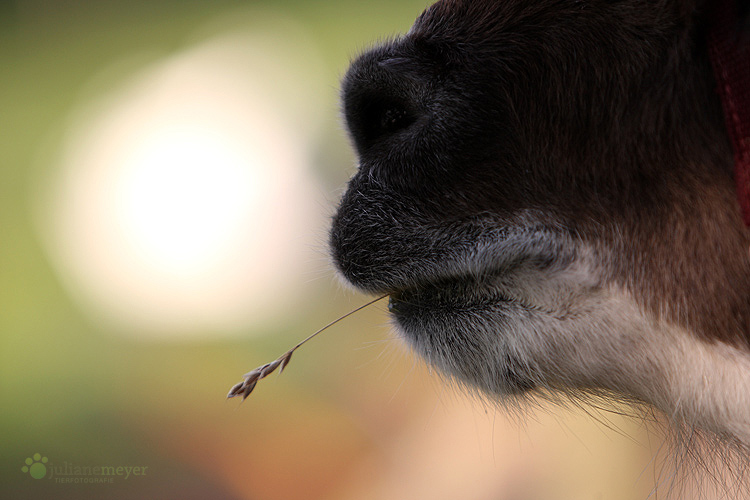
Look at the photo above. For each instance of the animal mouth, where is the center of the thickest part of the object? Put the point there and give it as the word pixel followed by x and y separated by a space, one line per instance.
pixel 449 323
pixel 451 295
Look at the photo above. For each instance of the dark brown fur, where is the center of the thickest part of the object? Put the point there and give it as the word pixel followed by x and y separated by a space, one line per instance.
pixel 545 190
pixel 602 113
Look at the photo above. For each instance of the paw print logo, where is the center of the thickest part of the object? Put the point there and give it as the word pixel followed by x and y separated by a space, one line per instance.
pixel 36 467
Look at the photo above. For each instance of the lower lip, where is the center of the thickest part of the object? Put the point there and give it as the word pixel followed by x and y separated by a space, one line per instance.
pixel 455 296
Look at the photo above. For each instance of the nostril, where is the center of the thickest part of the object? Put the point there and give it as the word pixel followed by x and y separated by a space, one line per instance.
pixel 394 119
pixel 384 116
pixel 385 99
pixel 373 117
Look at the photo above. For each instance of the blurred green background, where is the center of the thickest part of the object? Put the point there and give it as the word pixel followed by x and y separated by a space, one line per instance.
pixel 167 170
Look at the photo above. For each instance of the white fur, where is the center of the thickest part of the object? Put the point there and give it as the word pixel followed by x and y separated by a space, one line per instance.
pixel 572 334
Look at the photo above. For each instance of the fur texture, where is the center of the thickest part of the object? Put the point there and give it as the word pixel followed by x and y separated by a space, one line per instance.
pixel 545 190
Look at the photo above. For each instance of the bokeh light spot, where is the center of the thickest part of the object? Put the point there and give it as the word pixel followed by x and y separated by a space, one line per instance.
pixel 184 202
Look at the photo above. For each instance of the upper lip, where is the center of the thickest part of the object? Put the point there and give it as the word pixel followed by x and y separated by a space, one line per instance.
pixel 381 244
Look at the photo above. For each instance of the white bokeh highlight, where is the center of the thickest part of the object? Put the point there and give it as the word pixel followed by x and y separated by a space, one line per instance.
pixel 184 202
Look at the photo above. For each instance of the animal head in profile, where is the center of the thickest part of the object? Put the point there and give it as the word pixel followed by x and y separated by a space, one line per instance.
pixel 545 189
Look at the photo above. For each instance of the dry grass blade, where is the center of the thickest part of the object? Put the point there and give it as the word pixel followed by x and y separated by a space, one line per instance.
pixel 251 379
